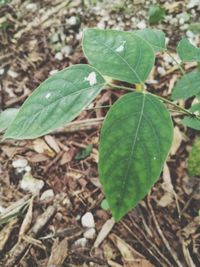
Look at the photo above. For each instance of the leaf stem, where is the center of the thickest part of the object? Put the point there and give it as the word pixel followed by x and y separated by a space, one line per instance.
pixel 114 86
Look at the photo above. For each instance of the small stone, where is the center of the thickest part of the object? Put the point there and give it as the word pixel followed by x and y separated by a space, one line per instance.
pixel 47 194
pixel 66 50
pixel 90 233
pixel 31 184
pixel 72 21
pixel 161 70
pixel 31 7
pixel 12 74
pixel 81 242
pixel 19 163
pixel 87 220
pixel 27 168
pixel 141 25
pixel 59 56
pixel 52 72
pixel 2 71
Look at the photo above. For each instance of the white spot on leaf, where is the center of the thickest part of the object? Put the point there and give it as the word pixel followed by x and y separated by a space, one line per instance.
pixel 154 158
pixel 91 78
pixel 47 95
pixel 121 47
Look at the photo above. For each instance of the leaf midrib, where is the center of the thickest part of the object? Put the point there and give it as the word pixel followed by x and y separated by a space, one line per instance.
pixel 132 149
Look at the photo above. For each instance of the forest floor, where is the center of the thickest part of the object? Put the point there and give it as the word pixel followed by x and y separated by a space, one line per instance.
pixel 50 194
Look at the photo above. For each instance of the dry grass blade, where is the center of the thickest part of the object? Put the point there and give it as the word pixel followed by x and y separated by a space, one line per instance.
pixel 27 220
pixel 6 232
pixel 14 210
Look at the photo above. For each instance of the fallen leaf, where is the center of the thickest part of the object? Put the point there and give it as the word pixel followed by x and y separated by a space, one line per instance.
pixel 178 138
pixel 59 253
pixel 41 147
pixel 130 256
pixel 52 143
pixel 105 230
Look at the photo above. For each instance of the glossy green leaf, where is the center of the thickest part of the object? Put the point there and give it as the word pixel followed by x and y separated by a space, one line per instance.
pixel 155 38
pixel 194 159
pixel 6 118
pixel 191 122
pixel 156 14
pixel 119 55
pixel 187 51
pixel 56 101
pixel 135 139
pixel 187 86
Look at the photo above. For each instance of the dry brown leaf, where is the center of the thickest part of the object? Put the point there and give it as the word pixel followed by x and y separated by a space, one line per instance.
pixel 67 157
pixel 52 143
pixel 41 147
pixel 105 230
pixel 168 197
pixel 59 253
pixel 178 138
pixel 28 219
pixel 131 257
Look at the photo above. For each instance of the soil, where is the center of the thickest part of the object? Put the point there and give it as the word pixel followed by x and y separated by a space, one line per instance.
pixel 45 227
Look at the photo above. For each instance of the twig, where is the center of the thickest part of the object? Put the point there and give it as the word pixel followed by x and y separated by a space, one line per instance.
pixel 82 125
pixel 167 245
pixel 143 244
pixel 19 250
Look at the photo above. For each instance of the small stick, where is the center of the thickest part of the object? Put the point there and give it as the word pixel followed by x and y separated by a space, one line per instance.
pixel 167 245
pixel 18 251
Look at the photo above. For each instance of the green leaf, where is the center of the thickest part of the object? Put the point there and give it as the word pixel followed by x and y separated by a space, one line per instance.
pixel 119 55
pixel 6 118
pixel 84 153
pixel 191 122
pixel 187 51
pixel 56 101
pixel 194 159
pixel 194 27
pixel 156 14
pixel 135 139
pixel 187 86
pixel 104 205
pixel 155 38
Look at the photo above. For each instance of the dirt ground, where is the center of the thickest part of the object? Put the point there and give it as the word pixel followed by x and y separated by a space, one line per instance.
pixel 50 194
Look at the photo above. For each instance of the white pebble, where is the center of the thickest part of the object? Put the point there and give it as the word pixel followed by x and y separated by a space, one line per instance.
pixel 81 242
pixel 19 163
pixel 2 71
pixel 47 194
pixel 66 50
pixel 31 184
pixel 53 72
pixel 72 21
pixel 87 220
pixel 90 233
pixel 141 25
pixel 59 56
pixel 161 70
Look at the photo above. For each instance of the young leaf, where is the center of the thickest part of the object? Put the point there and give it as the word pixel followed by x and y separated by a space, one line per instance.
pixel 56 101
pixel 187 86
pixel 6 118
pixel 156 14
pixel 119 55
pixel 187 51
pixel 194 159
pixel 191 122
pixel 155 38
pixel 135 139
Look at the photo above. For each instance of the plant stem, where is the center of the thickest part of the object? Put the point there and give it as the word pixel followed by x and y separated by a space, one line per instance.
pixel 179 108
